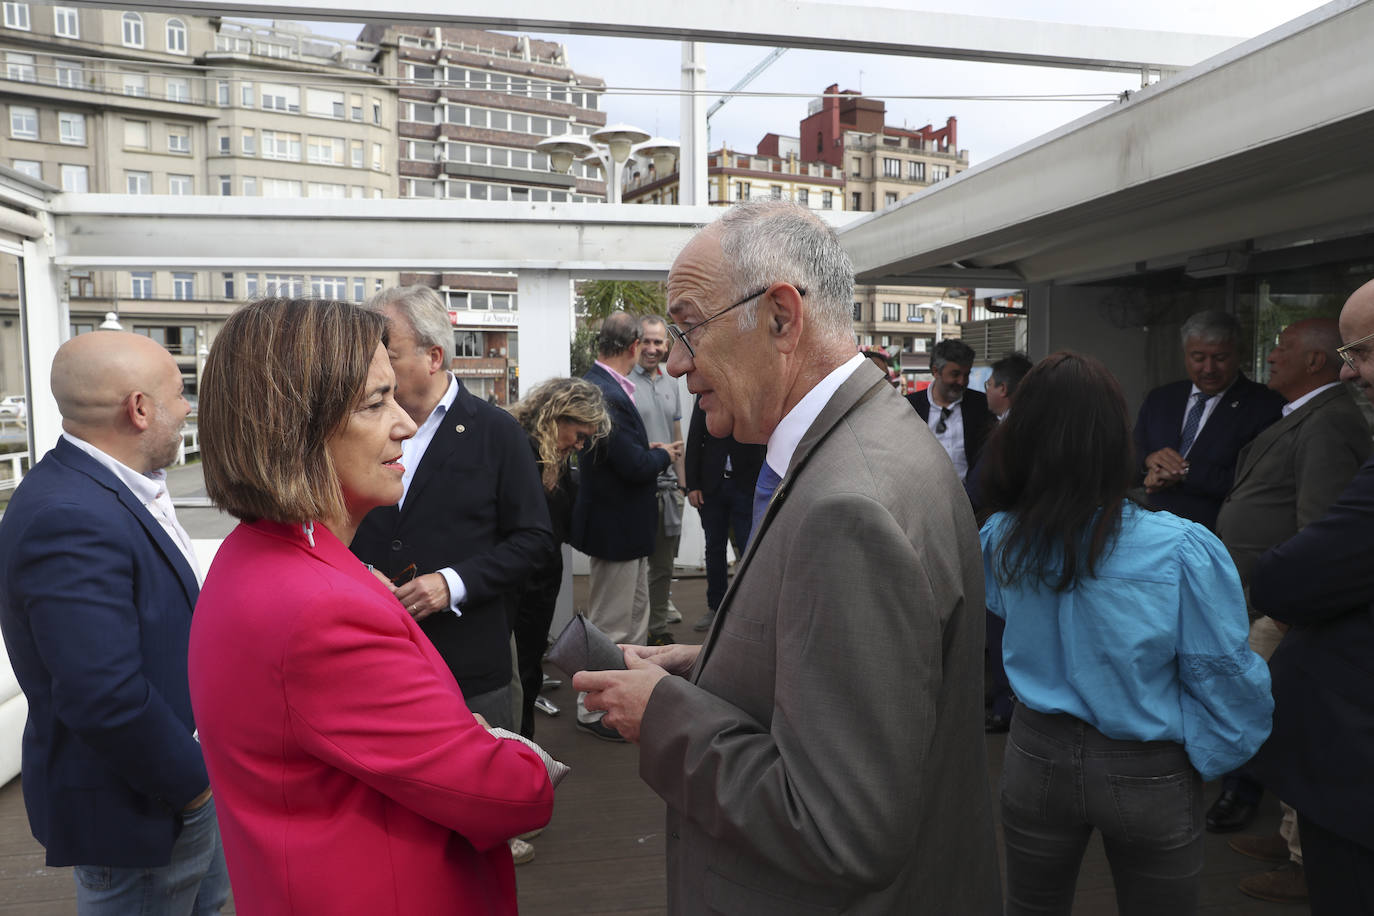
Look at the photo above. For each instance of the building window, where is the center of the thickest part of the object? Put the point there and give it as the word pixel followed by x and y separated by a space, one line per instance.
pixel 858 167
pixel 246 95
pixel 141 285
pixel 775 192
pixel 916 171
pixel 376 157
pixel 178 140
pixel 136 134
pixel 65 23
pixel 324 104
pixel 326 190
pixel 222 93
pixel 741 190
pixel 136 84
pixel 176 36
pixel 889 198
pixel 29 167
pixel 180 185
pixel 222 137
pixel 133 30
pixel 76 178
pixel 177 340
pixel 376 111
pixel 325 150
pixel 858 311
pixel 355 106
pixel 71 128
pixel 329 287
pixel 228 285
pixel 939 173
pixel 17 16
pixel 892 168
pixel 138 182
pixel 467 343
pixel 20 67
pixel 892 311
pixel 827 200
pixel 279 145
pixel 287 286
pixel 856 201
pixel 250 187
pixel 913 312
pixel 355 153
pixel 226 186
pixel 276 97
pixel 250 286
pixel 178 89
pixel 248 142
pixel 70 74
pixel 23 123
pixel 183 286
pixel 803 197
pixel 280 187
pixel 359 289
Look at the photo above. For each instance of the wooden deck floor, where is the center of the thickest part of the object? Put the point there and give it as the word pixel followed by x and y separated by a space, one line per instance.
pixel 603 852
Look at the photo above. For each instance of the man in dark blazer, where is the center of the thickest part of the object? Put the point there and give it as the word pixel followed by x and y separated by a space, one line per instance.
pixel 615 518
pixel 794 782
pixel 1189 433
pixel 1286 479
pixel 960 419
pixel 1321 584
pixel 99 581
pixel 472 526
pixel 720 475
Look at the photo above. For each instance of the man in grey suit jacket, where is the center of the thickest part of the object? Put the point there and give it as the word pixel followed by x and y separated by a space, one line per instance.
pixel 822 751
pixel 1286 477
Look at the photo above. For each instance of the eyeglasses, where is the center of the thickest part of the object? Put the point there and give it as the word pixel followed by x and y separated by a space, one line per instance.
pixel 404 576
pixel 1351 354
pixel 680 334
pixel 944 418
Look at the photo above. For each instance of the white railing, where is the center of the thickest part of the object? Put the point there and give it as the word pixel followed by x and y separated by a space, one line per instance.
pixel 14 465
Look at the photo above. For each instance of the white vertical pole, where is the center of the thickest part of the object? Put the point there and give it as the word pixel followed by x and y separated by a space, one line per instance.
pixel 691 165
pixel 46 325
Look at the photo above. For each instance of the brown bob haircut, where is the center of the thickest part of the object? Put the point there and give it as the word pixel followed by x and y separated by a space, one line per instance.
pixel 283 376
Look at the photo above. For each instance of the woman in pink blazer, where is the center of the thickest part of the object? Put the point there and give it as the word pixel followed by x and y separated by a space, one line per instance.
pixel 349 775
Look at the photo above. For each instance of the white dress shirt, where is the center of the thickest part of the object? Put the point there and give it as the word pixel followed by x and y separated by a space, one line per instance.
pixel 782 445
pixel 412 451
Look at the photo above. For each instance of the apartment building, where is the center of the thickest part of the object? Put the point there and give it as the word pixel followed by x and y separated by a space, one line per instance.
pixel 136 102
pixel 775 170
pixel 472 106
pixel 882 163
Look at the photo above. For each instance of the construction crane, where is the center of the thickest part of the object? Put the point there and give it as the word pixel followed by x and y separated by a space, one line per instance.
pixel 745 81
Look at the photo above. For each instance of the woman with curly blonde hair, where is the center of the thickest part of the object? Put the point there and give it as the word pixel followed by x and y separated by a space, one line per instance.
pixel 560 415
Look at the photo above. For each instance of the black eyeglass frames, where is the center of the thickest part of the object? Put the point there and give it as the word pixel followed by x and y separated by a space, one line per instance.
pixel 680 334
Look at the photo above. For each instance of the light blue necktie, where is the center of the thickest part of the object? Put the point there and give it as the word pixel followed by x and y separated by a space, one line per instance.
pixel 763 492
pixel 1191 423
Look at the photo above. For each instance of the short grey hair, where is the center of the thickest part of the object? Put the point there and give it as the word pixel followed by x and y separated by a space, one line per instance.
pixel 646 320
pixel 950 350
pixel 422 307
pixel 1211 326
pixel 776 241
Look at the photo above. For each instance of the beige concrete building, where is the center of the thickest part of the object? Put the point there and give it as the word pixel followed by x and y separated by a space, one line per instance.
pixel 776 170
pixel 132 102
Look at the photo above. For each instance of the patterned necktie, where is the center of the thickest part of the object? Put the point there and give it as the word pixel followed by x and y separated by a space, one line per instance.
pixel 1191 423
pixel 763 492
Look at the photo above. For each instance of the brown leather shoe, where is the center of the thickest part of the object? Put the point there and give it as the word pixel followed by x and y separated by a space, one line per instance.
pixel 1270 848
pixel 1285 884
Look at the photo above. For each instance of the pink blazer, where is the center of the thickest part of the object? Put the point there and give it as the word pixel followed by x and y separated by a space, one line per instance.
pixel 349 775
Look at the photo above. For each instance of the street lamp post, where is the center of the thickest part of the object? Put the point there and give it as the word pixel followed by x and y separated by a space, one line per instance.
pixel 609 147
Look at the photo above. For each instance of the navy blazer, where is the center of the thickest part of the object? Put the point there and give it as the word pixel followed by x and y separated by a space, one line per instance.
pixel 1246 409
pixel 616 513
pixel 475 504
pixel 979 422
pixel 96 611
pixel 1321 581
pixel 704 457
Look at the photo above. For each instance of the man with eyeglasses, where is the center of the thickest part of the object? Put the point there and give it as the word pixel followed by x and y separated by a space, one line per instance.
pixel 821 751
pixel 959 418
pixel 1285 479
pixel 1321 584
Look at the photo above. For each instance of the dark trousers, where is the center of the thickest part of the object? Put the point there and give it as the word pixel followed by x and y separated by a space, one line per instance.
pixel 730 506
pixel 1340 872
pixel 1061 780
pixel 532 619
pixel 998 687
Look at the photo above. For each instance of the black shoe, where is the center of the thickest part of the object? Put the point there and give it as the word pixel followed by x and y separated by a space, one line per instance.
pixel 661 639
pixel 704 624
pixel 1229 813
pixel 994 724
pixel 599 729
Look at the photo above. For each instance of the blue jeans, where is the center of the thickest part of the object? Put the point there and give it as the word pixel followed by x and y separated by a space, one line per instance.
pixel 1062 778
pixel 194 882
pixel 732 505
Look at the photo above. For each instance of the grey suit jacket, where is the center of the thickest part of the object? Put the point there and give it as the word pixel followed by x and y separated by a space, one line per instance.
pixel 1289 474
pixel 827 754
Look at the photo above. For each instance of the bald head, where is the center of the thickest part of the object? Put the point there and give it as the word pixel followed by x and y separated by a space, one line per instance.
pixel 121 392
pixel 1357 324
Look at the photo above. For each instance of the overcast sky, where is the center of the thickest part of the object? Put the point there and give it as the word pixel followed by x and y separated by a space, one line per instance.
pixel 985 128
